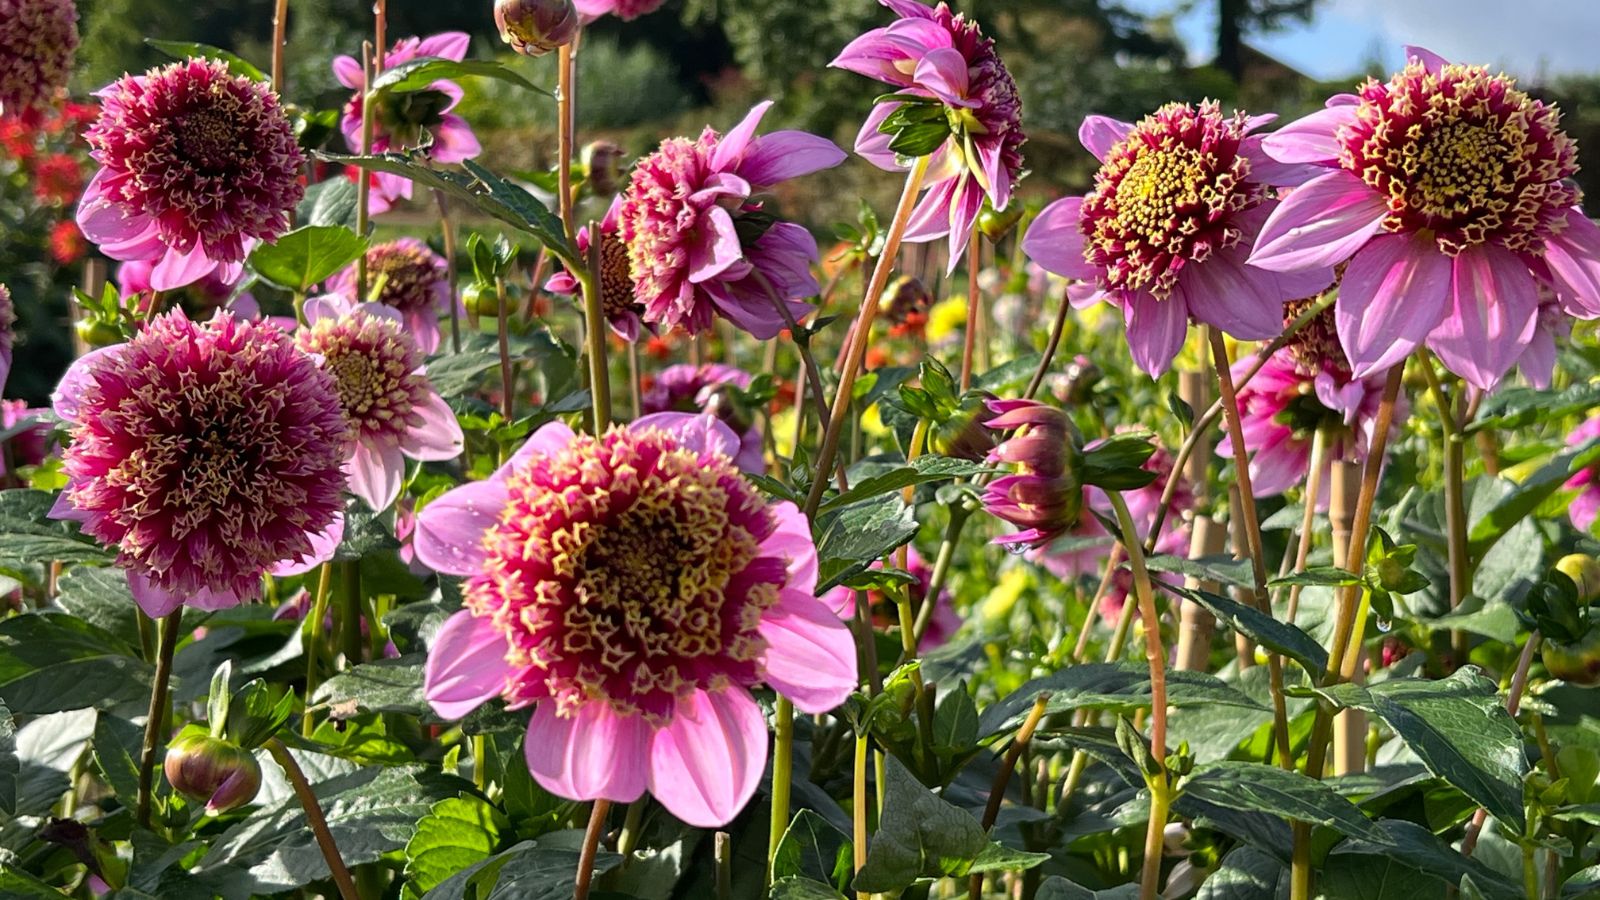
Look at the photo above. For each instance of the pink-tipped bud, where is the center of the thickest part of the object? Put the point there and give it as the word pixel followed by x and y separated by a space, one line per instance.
pixel 535 27
pixel 966 434
pixel 224 775
pixel 1045 497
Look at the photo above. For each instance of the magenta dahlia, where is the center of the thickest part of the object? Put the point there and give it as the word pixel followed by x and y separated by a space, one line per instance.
pixel 1585 506
pixel 393 410
pixel 410 120
pixel 617 300
pixel 407 276
pixel 933 54
pixel 626 10
pixel 704 389
pixel 633 587
pixel 206 453
pixel 698 245
pixel 1044 499
pixel 1164 235
pixel 196 167
pixel 37 40
pixel 1447 189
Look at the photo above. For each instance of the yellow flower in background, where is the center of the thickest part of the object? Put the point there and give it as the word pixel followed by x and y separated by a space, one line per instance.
pixel 997 606
pixel 946 317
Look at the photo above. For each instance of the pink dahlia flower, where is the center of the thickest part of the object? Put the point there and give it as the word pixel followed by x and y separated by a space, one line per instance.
pixel 206 453
pixel 1285 404
pixel 1447 190
pixel 29 442
pixel 617 300
pixel 37 40
pixel 703 389
pixel 633 587
pixel 933 54
pixel 407 276
pixel 626 10
pixel 698 245
pixel 411 120
pixel 1164 235
pixel 209 293
pixel 1045 498
pixel 941 628
pixel 197 166
pixel 1585 506
pixel 1538 360
pixel 393 410
pixel 8 324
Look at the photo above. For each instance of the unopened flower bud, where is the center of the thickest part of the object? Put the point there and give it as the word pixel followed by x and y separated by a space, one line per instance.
pixel 996 224
pixel 1078 382
pixel 224 775
pixel 1584 570
pixel 535 27
pixel 905 298
pixel 602 165
pixel 1045 497
pixel 966 434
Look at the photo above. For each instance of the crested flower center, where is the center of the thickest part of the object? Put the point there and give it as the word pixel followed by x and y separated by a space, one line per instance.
pixel 628 569
pixel 210 139
pixel 1315 347
pixel 616 285
pixel 1166 196
pixel 1463 155
pixel 403 276
pixel 374 368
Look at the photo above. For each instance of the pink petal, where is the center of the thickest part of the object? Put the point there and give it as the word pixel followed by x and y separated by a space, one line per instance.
pixel 705 765
pixel 787 154
pixel 1573 256
pixel 466 665
pixel 323 545
pixel 1240 301
pixel 454 141
pixel 155 601
pixel 176 270
pixel 1055 242
pixel 965 207
pixel 1321 223
pixel 1495 313
pixel 450 45
pixel 943 73
pixel 449 533
pixel 549 440
pixel 1311 139
pixel 594 753
pixel 700 432
pixel 377 472
pixel 423 326
pixel 930 218
pixel 1538 361
pixel 884 53
pixel 1156 329
pixel 1265 169
pixel 1395 292
pixel 1098 134
pixel 348 70
pixel 735 142
pixel 811 655
pixel 716 248
pixel 792 540
pixel 80 376
pixel 327 306
pixel 1431 61
pixel 872 145
pixel 439 436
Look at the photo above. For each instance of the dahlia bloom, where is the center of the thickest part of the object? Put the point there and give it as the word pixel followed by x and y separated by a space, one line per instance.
pixel 1585 507
pixel 197 166
pixel 8 323
pixel 411 120
pixel 1447 190
pixel 37 40
pixel 407 276
pixel 1164 235
pixel 210 292
pixel 617 301
pixel 206 453
pixel 933 54
pixel 941 628
pixel 698 246
pixel 626 10
pixel 393 410
pixel 633 587
pixel 30 442
pixel 703 389
pixel 1538 360
pixel 1045 498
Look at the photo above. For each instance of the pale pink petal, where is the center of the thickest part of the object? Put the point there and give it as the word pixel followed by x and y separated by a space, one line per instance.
pixel 716 248
pixel 787 154
pixel 885 53
pixel 348 70
pixel 326 306
pixel 1494 313
pixel 377 472
pixel 1311 139
pixel 1055 241
pixel 466 665
pixel 1573 257
pixel 1098 134
pixel 735 142
pixel 1538 361
pixel 67 398
pixel 943 73
pixel 549 440
pixel 1156 329
pixel 423 325
pixel 792 540
pixel 176 270
pixel 1395 292
pixel 872 144
pixel 700 432
pixel 1320 224
pixel 323 546
pixel 706 764
pixel 155 601
pixel 811 655
pixel 1431 61
pixel 439 435
pixel 1265 169
pixel 592 754
pixel 449 533
pixel 1240 301
pixel 454 141
pixel 452 45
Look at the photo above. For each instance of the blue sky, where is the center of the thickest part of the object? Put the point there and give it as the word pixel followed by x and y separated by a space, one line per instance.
pixel 1527 38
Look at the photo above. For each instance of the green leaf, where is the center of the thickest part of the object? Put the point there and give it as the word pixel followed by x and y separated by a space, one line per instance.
pixel 420 74
pixel 1520 499
pixel 115 741
pixel 17 884
pixel 1246 874
pixel 1121 687
pixel 456 833
pixel 386 685
pixel 1360 876
pixel 1221 569
pixel 922 470
pixel 812 848
pixel 99 595
pixel 1326 576
pixel 51 662
pixel 28 534
pixel 1280 637
pixel 1417 847
pixel 792 888
pixel 861 534
pixel 1514 408
pixel 307 256
pixel 254 715
pixel 923 836
pixel 190 50
pixel 1458 728
pixel 331 202
pixel 526 871
pixel 364 534
pixel 1287 795
pixel 1057 888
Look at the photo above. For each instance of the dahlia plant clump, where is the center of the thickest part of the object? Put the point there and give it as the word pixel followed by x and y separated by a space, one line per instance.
pixel 1206 509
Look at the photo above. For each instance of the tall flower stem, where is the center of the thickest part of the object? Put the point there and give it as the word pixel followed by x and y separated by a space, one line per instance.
pixel 861 332
pixel 567 126
pixel 970 342
pixel 1156 656
pixel 591 845
pixel 782 777
pixel 280 43
pixel 1455 506
pixel 364 183
pixel 155 720
pixel 447 227
pixel 1350 603
pixel 315 818
pixel 594 326
pixel 508 394
pixel 1252 530
pixel 313 641
pixel 997 790
pixel 859 801
pixel 1314 486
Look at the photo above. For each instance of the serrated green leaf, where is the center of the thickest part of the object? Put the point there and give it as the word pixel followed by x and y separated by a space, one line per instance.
pixel 814 849
pixel 115 741
pixel 1122 687
pixel 922 470
pixel 420 74
pixel 1280 637
pixel 1514 408
pixel 330 203
pixel 238 65
pixel 307 256
pixel 792 888
pixel 861 534
pixel 28 534
pixel 50 662
pixel 456 832
pixel 1288 795
pixel 387 685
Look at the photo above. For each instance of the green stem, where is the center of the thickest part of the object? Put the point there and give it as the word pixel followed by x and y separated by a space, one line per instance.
pixel 315 818
pixel 155 721
pixel 508 395
pixel 313 642
pixel 782 774
pixel 1455 506
pixel 350 621
pixel 859 807
pixel 628 838
pixel 594 324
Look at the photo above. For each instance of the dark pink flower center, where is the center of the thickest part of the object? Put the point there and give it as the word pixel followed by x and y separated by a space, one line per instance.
pixel 374 369
pixel 404 276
